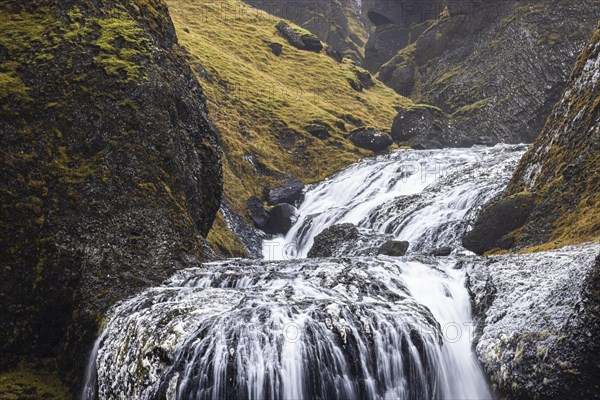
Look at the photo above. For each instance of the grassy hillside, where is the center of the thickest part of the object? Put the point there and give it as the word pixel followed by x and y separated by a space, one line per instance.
pixel 261 103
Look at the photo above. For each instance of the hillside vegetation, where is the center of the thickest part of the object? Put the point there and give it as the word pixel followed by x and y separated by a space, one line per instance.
pixel 261 103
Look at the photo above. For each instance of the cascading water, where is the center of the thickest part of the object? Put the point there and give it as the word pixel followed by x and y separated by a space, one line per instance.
pixel 357 327
pixel 424 197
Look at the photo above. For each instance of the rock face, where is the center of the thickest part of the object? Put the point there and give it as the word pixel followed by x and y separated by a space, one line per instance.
pixel 494 69
pixel 111 172
pixel 326 242
pixel 394 248
pixel 343 24
pixel 370 139
pixel 538 320
pixel 497 221
pixel 562 165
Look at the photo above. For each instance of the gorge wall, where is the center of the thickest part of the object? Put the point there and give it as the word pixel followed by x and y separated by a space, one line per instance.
pixel 492 70
pixel 111 173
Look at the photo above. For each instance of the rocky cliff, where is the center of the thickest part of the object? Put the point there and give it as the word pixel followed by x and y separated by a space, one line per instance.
pixel 559 173
pixel 111 172
pixel 492 70
pixel 342 24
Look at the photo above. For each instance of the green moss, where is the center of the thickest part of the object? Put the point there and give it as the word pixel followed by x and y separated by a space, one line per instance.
pixel 123 45
pixel 27 383
pixel 222 239
pixel 469 108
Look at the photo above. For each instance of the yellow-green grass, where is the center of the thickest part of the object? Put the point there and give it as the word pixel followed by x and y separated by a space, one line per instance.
pixel 261 103
pixel 26 383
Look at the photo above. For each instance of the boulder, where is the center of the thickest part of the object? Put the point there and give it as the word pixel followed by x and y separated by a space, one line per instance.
pixel 333 53
pixel 311 42
pixel 257 211
pixel 329 239
pixel 498 220
pixel 319 130
pixel 289 192
pixel 281 218
pixel 290 35
pixel 394 248
pixel 441 252
pixel 305 41
pixel 370 139
pixel 420 126
pixel 276 48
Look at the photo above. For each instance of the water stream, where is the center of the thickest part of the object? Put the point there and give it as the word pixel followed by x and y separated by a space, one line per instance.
pixel 350 327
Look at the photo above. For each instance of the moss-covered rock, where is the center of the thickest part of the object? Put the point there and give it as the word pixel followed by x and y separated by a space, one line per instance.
pixel 111 173
pixel 498 220
pixel 562 166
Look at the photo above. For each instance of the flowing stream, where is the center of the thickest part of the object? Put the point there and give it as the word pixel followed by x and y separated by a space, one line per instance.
pixel 356 326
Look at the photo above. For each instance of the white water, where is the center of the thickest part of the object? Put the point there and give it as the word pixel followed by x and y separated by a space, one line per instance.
pixel 374 195
pixel 346 328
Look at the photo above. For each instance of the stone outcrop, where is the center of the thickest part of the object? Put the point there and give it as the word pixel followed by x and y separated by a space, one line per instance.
pixel 111 172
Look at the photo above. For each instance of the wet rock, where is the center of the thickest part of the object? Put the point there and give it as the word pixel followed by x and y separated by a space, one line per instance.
pixel 538 320
pixel 281 218
pixel 441 252
pixel 496 221
pixel 420 125
pixel 328 240
pixel 258 214
pixel 394 248
pixel 276 48
pixel 289 192
pixel 370 139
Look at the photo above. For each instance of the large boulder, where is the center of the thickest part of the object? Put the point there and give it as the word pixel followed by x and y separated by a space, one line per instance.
pixel 111 173
pixel 289 192
pixel 282 217
pixel 326 242
pixel 258 213
pixel 370 139
pixel 394 248
pixel 498 220
pixel 538 321
pixel 303 41
pixel 420 126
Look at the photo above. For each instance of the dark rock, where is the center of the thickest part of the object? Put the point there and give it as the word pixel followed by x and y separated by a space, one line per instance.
pixel 394 248
pixel 377 19
pixel 355 84
pixel 333 53
pixel 289 192
pixel 325 242
pixel 319 130
pixel 276 48
pixel 496 221
pixel 258 214
pixel 441 252
pixel 311 43
pixel 370 139
pixel 364 77
pixel 290 35
pixel 421 127
pixel 123 184
pixel 281 218
pixel 308 41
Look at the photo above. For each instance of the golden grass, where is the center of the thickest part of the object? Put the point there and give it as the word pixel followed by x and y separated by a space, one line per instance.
pixel 261 103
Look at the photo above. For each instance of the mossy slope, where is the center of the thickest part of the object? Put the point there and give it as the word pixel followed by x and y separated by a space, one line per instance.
pixel 261 103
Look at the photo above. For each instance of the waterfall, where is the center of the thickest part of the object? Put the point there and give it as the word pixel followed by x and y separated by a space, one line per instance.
pixel 351 327
pixel 424 197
